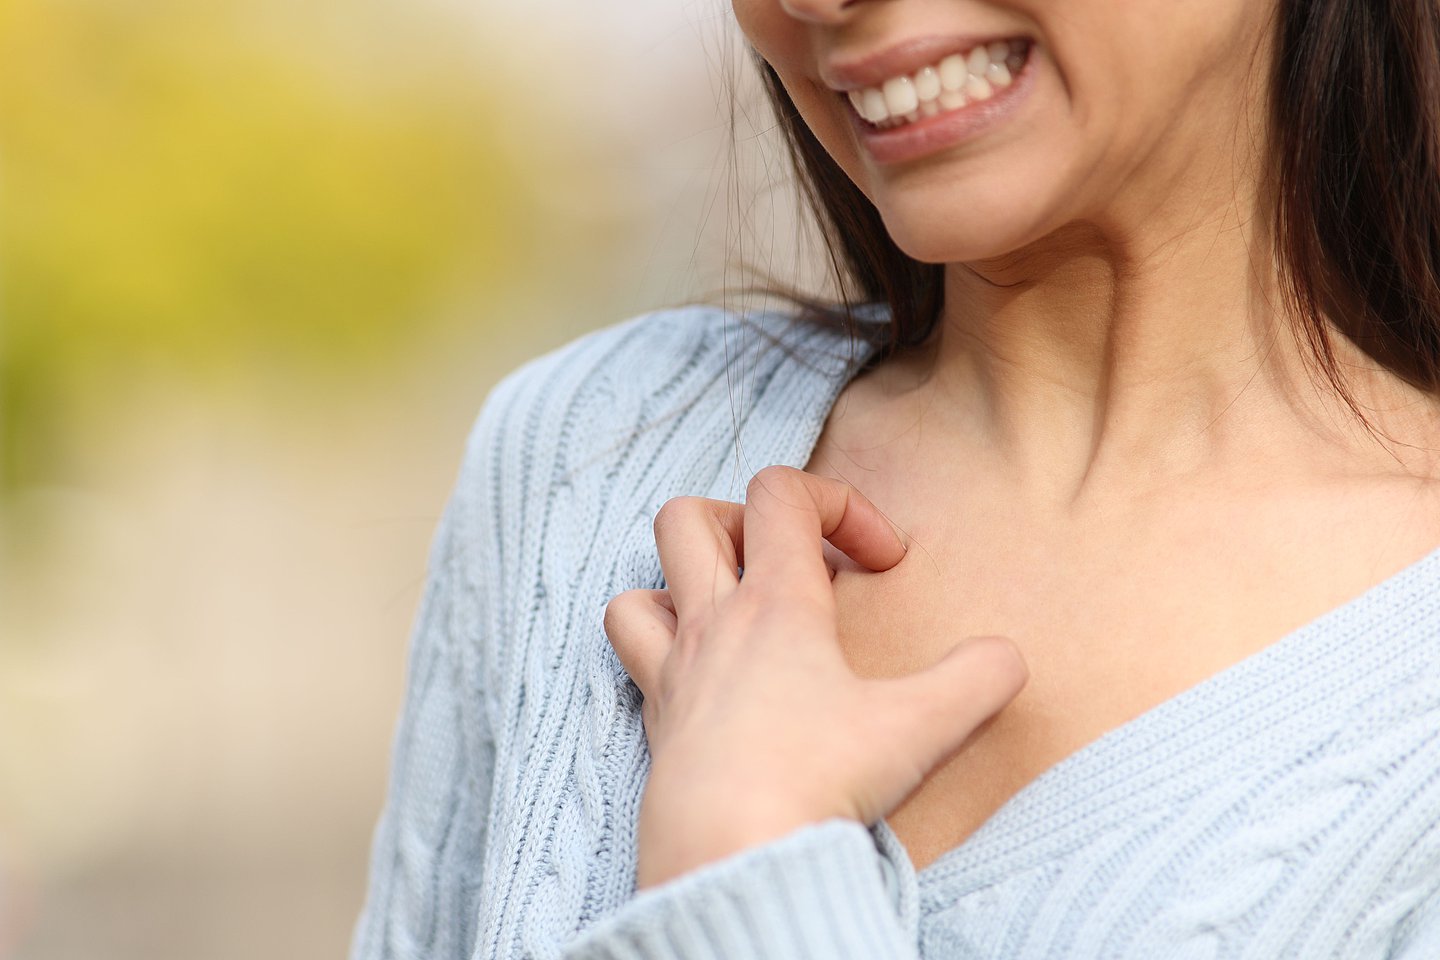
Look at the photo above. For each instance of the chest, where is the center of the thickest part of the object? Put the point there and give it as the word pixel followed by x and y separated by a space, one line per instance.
pixel 1111 623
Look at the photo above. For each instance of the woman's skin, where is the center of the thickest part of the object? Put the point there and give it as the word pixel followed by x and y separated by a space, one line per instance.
pixel 1111 453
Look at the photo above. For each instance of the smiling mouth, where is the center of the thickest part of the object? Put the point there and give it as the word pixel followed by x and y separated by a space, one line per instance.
pixel 951 84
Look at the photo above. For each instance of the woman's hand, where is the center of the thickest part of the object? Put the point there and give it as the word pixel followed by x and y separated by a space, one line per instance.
pixel 756 724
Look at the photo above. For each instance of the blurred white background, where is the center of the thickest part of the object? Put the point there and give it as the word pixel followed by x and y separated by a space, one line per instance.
pixel 260 263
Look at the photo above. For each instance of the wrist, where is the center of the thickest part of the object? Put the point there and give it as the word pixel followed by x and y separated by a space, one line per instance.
pixel 677 855
pixel 669 855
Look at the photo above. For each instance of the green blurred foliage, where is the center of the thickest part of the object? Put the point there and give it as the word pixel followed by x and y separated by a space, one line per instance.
pixel 208 190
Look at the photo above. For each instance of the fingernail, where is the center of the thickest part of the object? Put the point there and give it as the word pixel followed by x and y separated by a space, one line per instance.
pixel 902 537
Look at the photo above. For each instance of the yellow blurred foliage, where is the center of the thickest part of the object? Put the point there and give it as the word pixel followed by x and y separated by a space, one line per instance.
pixel 217 188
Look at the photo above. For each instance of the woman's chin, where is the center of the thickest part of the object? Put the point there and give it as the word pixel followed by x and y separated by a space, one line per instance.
pixel 955 245
pixel 957 229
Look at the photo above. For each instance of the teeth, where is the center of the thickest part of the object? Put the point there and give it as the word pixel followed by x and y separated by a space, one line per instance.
pixel 978 62
pixel 875 109
pixel 927 84
pixel 954 82
pixel 858 102
pixel 952 72
pixel 900 96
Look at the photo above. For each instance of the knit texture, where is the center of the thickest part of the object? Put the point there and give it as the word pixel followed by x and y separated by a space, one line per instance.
pixel 1287 807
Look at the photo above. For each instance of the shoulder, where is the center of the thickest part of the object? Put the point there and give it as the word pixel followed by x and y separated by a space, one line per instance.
pixel 666 384
pixel 639 360
pixel 583 440
pixel 669 352
pixel 573 453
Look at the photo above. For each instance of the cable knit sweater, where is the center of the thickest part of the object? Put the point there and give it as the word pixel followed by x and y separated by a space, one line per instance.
pixel 1288 806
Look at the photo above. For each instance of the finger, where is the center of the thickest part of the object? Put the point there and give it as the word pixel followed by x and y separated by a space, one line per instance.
pixel 641 628
pixel 788 512
pixel 936 710
pixel 701 544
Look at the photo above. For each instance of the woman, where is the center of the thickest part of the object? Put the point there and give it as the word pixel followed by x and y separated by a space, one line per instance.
pixel 1124 640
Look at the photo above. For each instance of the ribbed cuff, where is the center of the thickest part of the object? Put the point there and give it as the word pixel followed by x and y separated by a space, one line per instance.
pixel 817 893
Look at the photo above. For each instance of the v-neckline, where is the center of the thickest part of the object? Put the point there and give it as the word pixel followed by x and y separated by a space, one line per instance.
pixel 1300 667
pixel 1325 643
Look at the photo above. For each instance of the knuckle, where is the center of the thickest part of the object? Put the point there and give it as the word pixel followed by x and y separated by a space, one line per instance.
pixel 616 610
pixel 774 479
pixel 676 511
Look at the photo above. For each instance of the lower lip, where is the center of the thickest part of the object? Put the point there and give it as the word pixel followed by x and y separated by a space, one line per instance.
pixel 929 135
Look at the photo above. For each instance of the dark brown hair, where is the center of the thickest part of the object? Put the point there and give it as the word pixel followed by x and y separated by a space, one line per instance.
pixel 1355 130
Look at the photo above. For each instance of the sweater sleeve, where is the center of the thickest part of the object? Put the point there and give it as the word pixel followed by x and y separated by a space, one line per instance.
pixel 1419 933
pixel 818 893
pixel 428 845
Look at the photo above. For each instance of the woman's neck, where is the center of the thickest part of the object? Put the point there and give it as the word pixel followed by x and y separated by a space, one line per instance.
pixel 1095 362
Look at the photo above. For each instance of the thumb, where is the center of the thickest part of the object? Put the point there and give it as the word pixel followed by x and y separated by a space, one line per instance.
pixel 938 708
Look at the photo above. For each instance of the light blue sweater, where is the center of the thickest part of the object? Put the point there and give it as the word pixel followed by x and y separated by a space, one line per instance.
pixel 1286 807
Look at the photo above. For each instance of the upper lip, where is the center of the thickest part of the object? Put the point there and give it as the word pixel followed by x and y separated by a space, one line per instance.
pixel 907 56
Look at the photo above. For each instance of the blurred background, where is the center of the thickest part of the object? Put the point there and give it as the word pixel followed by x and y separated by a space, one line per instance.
pixel 260 263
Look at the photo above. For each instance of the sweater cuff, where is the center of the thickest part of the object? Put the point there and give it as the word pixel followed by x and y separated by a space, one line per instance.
pixel 821 892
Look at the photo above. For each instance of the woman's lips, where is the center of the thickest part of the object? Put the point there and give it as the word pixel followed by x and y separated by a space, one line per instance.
pixel 904 57
pixel 910 140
